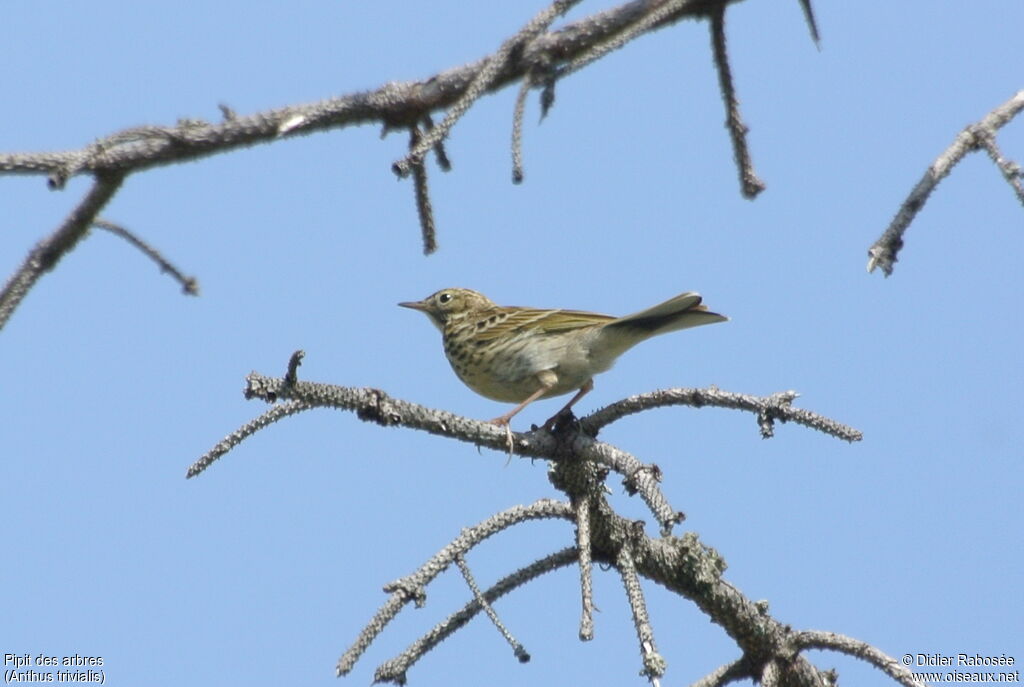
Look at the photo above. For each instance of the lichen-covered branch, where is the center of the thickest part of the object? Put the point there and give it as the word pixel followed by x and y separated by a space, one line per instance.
pixel 579 466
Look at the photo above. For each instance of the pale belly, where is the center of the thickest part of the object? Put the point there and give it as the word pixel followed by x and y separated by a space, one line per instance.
pixel 511 374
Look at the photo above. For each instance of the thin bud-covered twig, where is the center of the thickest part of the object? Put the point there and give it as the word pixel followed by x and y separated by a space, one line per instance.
pixel 189 285
pixel 395 669
pixel 517 128
pixel 520 653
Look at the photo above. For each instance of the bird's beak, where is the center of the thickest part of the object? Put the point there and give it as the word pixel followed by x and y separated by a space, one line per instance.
pixel 415 305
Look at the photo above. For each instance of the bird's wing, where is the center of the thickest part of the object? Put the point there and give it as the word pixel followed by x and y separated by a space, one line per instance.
pixel 512 320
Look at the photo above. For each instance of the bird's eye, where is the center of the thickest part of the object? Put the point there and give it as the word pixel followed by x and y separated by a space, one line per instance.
pixel 444 298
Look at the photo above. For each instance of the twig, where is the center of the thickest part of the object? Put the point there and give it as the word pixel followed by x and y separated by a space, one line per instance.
pixel 292 375
pixel 48 252
pixel 650 17
pixel 412 587
pixel 812 24
pixel 732 672
pixel 482 82
pixel 750 184
pixel 654 663
pixel 517 129
pixel 439 150
pixel 423 208
pixel 520 653
pixel 373 405
pixel 582 509
pixel 189 285
pixel 277 412
pixel 884 253
pixel 817 639
pixel 392 103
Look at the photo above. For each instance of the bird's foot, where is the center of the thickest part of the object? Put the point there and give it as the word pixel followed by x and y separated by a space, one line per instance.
pixel 503 421
pixel 563 418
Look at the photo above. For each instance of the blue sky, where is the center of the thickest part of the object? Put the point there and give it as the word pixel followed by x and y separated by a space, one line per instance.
pixel 264 569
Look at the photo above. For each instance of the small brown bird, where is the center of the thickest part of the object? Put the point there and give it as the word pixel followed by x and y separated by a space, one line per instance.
pixel 519 355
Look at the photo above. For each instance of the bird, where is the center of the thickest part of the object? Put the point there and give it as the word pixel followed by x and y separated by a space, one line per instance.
pixel 519 355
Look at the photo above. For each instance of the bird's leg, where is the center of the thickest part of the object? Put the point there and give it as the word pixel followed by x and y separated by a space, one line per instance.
pixel 567 410
pixel 503 420
pixel 547 380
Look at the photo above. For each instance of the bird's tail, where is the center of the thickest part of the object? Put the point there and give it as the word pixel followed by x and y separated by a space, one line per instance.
pixel 681 312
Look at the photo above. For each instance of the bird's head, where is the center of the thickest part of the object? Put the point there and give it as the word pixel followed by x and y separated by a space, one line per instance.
pixel 451 304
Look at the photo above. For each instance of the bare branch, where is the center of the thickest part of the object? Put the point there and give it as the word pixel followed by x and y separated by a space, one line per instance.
pixel 733 672
pixel 517 129
pixel 885 251
pixel 373 405
pixel 768 408
pixel 654 663
pixel 292 375
pixel 423 208
pixel 750 184
pixel 639 23
pixel 532 55
pixel 816 639
pixel 681 564
pixel 189 285
pixel 439 151
pixel 639 478
pixel 412 587
pixel 395 104
pixel 48 252
pixel 276 412
pixel 582 510
pixel 1010 170
pixel 812 24
pixel 482 82
pixel 520 652
pixel 395 669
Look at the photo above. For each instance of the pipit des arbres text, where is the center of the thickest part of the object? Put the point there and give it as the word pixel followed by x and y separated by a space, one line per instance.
pixel 519 355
